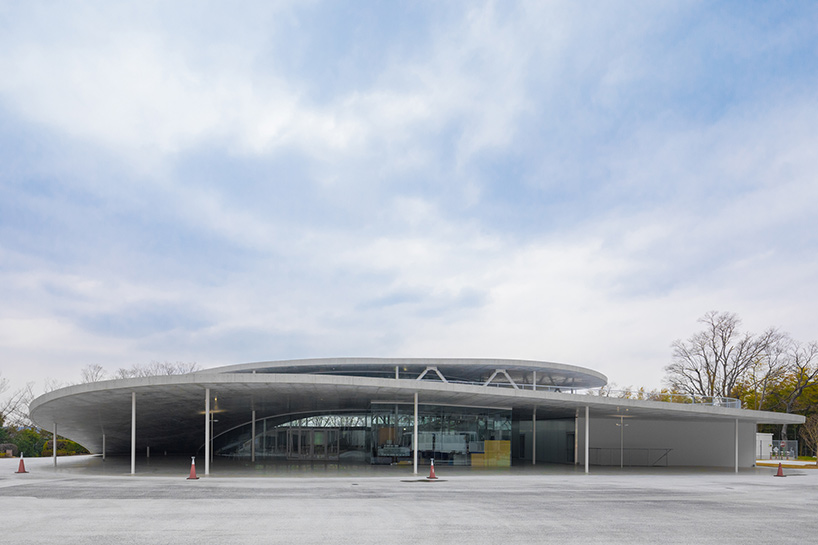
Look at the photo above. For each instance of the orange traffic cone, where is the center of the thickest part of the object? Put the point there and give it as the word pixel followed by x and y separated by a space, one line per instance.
pixel 432 470
pixel 780 471
pixel 22 467
pixel 192 469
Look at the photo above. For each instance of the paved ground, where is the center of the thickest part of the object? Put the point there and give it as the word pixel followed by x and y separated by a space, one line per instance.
pixel 91 502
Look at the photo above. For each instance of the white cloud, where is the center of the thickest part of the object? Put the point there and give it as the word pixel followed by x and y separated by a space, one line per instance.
pixel 662 212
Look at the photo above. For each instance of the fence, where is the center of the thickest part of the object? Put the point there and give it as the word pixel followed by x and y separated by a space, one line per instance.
pixel 784 450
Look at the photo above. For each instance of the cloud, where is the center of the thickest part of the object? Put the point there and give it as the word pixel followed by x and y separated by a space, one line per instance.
pixel 564 181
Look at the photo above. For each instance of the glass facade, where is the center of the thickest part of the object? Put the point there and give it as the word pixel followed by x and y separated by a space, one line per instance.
pixel 381 435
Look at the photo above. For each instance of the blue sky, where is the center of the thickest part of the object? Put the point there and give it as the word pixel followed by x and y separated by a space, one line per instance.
pixel 563 181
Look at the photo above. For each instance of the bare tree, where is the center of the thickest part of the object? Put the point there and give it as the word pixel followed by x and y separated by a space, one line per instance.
pixel 14 406
pixel 809 433
pixel 92 373
pixel 767 371
pixel 801 371
pixel 51 384
pixel 156 368
pixel 714 360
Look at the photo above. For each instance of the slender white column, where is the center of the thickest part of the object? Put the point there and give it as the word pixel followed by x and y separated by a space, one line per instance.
pixel 253 438
pixel 534 380
pixel 207 431
pixel 587 435
pixel 736 443
pixel 415 434
pixel 534 442
pixel 103 447
pixel 54 445
pixel 133 433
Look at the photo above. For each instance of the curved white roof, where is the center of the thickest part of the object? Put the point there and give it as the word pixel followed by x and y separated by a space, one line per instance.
pixel 170 409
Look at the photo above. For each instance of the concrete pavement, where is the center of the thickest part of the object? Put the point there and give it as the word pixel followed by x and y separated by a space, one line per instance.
pixel 547 504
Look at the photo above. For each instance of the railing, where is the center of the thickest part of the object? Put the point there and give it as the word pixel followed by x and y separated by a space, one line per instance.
pixel 630 457
pixel 714 401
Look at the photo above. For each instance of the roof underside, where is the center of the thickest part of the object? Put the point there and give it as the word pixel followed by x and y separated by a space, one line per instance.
pixel 170 409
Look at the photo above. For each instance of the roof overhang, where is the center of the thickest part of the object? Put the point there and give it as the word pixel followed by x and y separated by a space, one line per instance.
pixel 170 409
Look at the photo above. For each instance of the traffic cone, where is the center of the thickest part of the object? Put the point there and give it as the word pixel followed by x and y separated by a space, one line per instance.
pixel 780 471
pixel 432 470
pixel 22 468
pixel 192 469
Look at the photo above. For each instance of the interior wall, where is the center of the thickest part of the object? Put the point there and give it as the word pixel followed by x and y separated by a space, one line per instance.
pixel 693 443
pixel 554 440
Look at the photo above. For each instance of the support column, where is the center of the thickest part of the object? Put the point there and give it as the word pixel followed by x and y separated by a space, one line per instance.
pixel 253 438
pixel 207 432
pixel 534 434
pixel 415 435
pixel 54 445
pixel 133 433
pixel 103 447
pixel 587 436
pixel 534 380
pixel 736 443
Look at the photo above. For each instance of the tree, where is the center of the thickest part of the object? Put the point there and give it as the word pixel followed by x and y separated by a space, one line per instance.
pixel 92 373
pixel 809 433
pixel 713 361
pixel 51 384
pixel 801 371
pixel 765 374
pixel 14 407
pixel 29 440
pixel 156 368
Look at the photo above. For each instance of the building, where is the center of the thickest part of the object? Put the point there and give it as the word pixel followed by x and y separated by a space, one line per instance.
pixel 478 412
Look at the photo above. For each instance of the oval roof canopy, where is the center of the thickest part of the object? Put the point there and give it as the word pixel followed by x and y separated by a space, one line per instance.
pixel 456 370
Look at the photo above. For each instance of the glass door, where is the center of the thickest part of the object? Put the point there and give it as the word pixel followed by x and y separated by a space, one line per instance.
pixel 313 443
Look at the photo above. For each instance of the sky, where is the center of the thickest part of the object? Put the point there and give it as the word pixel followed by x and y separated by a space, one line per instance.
pixel 564 181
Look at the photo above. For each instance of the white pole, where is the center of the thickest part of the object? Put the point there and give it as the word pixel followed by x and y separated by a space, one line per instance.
pixel 133 433
pixel 54 445
pixel 253 438
pixel 207 431
pixel 621 442
pixel 415 434
pixel 534 442
pixel 576 438
pixel 534 380
pixel 587 436
pixel 103 447
pixel 736 445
